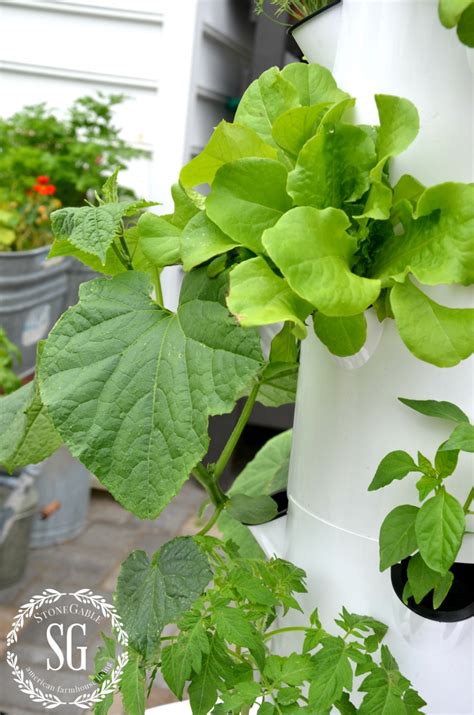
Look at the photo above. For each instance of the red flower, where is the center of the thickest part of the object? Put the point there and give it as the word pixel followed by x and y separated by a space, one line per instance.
pixel 42 179
pixel 47 190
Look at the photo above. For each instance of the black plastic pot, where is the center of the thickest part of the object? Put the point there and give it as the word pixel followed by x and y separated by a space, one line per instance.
pixel 458 604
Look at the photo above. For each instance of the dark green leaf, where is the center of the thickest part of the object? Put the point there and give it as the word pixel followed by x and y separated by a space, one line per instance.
pixel 149 378
pixel 132 686
pixel 152 593
pixel 421 578
pixel 251 509
pixel 442 588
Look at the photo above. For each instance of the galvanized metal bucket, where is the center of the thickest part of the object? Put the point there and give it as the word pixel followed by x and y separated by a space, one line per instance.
pixel 18 502
pixel 63 486
pixel 33 294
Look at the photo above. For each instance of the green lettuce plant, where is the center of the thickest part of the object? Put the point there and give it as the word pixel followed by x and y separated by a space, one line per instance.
pixel 300 225
pixel 429 535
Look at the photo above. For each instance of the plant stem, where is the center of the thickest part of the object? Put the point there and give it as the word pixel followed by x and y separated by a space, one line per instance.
pixel 289 629
pixel 216 494
pixel 157 284
pixel 237 431
pixel 121 258
pixel 207 527
pixel 468 502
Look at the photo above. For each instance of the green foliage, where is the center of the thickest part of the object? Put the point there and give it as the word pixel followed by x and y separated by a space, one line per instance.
pixel 221 653
pixel 459 14
pixel 8 354
pixel 430 535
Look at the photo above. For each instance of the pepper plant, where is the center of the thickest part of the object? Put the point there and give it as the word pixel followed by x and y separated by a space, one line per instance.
pixel 299 225
pixel 430 535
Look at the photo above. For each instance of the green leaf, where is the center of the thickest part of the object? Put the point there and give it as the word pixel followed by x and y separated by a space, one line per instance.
pixel 292 129
pixel 466 26
pixel 132 686
pixel 202 240
pixel 446 462
pixel 159 240
pixel 384 694
pixel 439 335
pixel 153 593
pixel 323 277
pixel 267 97
pixel 451 10
pixel 111 267
pixel 344 705
pixel 279 383
pixel 104 706
pixel 407 188
pixel 421 578
pixel 439 531
pixel 332 167
pixel 259 297
pixel 233 626
pixel 186 655
pixel 227 143
pixel 314 83
pixel 442 589
pixel 398 537
pixel 394 465
pixel 333 674
pixel 354 622
pixel 437 245
pixel 92 229
pixel 27 434
pixel 294 669
pixel 187 203
pixel 203 688
pixel 244 694
pixel 399 124
pixel 462 438
pixel 342 336
pixel 436 408
pixel 251 510
pixel 426 485
pixel 149 378
pixel 284 346
pixel 267 473
pixel 248 196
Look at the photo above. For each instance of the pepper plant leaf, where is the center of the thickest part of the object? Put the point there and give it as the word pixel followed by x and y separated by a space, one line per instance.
pixel 259 297
pixel 265 99
pixel 202 240
pixel 394 465
pixel 228 142
pixel 342 336
pixel 130 386
pixel 436 408
pixel 27 434
pixel 154 592
pixel 333 167
pixel 438 242
pixel 462 438
pixel 451 10
pixel 465 29
pixel 316 261
pixel 421 578
pixel 439 335
pixel 248 196
pixel 439 530
pixel 397 538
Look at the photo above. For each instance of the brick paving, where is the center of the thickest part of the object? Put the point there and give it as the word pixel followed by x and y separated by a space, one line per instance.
pixel 91 560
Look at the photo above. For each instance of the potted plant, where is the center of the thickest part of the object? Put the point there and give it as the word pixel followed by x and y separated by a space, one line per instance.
pixel 302 226
pixel 429 548
pixel 45 162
